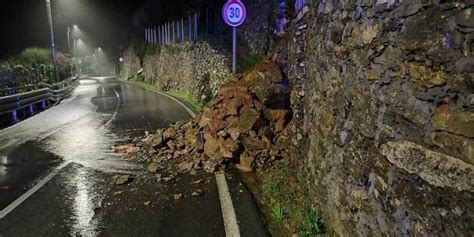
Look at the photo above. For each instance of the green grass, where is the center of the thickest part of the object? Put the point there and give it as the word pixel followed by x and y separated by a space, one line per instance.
pixel 288 206
pixel 313 223
pixel 197 105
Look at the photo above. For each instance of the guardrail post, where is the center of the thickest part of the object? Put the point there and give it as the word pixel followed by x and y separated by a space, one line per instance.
pixel 14 117
pixel 195 26
pixel 167 33
pixel 31 110
pixel 172 32
pixel 182 30
pixel 178 34
pixel 43 104
pixel 190 29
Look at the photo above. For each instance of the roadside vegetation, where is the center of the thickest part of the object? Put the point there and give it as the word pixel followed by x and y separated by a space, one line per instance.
pixel 248 61
pixel 32 66
pixel 286 204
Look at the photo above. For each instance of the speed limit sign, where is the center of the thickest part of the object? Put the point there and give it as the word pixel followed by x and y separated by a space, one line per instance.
pixel 234 13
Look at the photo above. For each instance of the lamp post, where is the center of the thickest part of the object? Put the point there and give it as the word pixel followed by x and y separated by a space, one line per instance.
pixel 69 45
pixel 53 46
pixel 69 39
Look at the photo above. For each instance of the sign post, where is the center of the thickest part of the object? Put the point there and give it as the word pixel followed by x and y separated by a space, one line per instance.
pixel 234 14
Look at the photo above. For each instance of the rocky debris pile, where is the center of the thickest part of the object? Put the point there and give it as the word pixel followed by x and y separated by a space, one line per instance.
pixel 246 125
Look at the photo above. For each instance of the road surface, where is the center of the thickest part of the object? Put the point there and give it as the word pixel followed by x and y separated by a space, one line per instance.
pixel 57 172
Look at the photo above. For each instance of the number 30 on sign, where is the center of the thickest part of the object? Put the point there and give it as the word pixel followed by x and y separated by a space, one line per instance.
pixel 234 13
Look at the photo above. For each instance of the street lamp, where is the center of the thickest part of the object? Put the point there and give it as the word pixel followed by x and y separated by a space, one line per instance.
pixel 69 43
pixel 53 46
pixel 71 33
pixel 69 39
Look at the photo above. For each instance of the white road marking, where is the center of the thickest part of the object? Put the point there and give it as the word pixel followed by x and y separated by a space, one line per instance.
pixel 116 108
pixel 228 211
pixel 30 192
pixel 190 112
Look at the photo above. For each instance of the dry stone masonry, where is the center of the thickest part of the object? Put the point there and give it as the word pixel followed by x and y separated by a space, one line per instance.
pixel 388 123
pixel 196 67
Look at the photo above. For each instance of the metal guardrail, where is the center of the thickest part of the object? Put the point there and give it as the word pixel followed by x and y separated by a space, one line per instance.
pixel 34 94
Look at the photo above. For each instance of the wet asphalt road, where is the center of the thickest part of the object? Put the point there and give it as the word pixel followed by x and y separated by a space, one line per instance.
pixel 82 199
pixel 100 113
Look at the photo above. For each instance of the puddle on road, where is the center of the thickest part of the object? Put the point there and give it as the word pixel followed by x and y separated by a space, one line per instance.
pixel 84 190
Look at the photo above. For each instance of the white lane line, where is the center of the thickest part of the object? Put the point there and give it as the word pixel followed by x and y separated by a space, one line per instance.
pixel 190 112
pixel 116 108
pixel 30 192
pixel 228 211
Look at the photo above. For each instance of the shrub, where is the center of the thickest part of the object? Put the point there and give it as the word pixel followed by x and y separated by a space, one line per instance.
pixel 34 56
pixel 37 62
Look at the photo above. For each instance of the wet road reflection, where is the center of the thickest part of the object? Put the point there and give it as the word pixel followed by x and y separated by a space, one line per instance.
pixel 83 222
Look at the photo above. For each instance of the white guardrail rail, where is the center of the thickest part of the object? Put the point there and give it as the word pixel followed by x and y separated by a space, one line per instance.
pixel 30 95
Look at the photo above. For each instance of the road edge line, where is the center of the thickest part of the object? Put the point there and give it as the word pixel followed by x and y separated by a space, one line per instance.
pixel 116 108
pixel 228 212
pixel 32 190
pixel 190 111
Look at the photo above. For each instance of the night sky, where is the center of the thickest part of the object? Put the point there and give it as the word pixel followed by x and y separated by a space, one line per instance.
pixel 106 23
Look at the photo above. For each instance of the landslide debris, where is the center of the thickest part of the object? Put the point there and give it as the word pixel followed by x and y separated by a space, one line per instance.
pixel 246 125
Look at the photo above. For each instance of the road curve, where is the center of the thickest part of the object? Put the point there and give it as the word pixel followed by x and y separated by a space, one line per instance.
pixel 57 172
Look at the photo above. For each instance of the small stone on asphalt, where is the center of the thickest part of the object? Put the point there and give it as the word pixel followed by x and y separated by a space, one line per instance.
pixel 178 196
pixel 198 192
pixel 123 179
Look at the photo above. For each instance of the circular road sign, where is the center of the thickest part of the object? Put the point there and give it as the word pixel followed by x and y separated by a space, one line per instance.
pixel 234 13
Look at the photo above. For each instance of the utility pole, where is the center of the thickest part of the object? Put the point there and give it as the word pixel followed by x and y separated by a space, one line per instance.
pixel 53 46
pixel 69 39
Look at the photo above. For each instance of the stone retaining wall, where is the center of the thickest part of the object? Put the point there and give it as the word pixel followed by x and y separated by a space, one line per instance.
pixel 383 101
pixel 196 68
